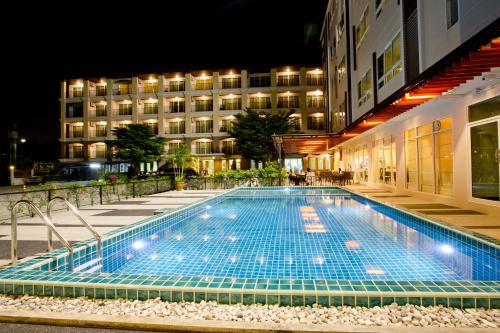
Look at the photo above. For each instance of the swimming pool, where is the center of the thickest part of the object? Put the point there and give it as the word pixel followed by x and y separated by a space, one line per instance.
pixel 293 245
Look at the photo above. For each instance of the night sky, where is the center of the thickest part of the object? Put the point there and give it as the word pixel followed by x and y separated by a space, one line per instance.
pixel 92 39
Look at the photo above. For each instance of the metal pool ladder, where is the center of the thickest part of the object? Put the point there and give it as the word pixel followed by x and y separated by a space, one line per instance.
pixel 46 221
pixel 91 265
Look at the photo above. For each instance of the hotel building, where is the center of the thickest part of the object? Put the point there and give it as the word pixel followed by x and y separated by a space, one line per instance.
pixel 196 108
pixel 413 97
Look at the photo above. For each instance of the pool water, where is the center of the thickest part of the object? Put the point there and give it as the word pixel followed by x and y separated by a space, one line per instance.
pixel 320 235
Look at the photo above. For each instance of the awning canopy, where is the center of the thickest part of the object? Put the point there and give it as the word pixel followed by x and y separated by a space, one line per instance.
pixel 455 69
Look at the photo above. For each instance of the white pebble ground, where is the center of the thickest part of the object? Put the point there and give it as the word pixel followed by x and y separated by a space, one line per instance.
pixel 391 315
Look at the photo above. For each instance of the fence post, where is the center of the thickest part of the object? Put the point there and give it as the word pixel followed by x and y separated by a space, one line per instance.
pixel 205 183
pixel 49 196
pixel 157 186
pixel 133 190
pixel 100 194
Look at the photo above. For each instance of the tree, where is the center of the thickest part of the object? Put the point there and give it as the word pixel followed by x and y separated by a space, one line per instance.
pixel 137 143
pixel 254 130
pixel 178 160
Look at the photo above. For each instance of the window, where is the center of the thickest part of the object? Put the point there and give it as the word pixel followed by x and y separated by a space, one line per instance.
pixel 100 90
pixel 314 79
pixel 287 80
pixel 389 63
pixel 176 106
pixel 203 84
pixel 361 162
pixel 151 108
pixel 231 103
pixel 74 110
pixel 229 147
pixel 173 147
pixel 177 85
pixel 231 82
pixel 100 151
pixel 378 5
pixel 203 126
pixel 176 127
pixel 203 147
pixel 77 131
pixel 125 109
pixel 362 27
pixel 315 101
pixel 451 13
pixel 122 89
pixel 341 69
pixel 294 122
pixel 153 126
pixel 77 91
pixel 429 157
pixel 150 87
pixel 339 117
pixel 340 25
pixel 365 88
pixel 315 123
pixel 260 102
pixel 201 105
pixel 226 125
pixel 385 160
pixel 76 151
pixel 100 130
pixel 260 81
pixel 288 101
pixel 100 110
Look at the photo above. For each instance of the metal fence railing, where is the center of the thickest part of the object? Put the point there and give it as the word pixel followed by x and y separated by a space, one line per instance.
pixel 211 183
pixel 83 195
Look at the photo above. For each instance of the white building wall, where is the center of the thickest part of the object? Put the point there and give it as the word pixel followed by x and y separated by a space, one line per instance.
pixel 436 40
pixel 455 106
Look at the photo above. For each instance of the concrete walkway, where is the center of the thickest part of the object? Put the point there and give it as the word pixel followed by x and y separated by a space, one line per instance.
pixel 475 221
pixel 32 234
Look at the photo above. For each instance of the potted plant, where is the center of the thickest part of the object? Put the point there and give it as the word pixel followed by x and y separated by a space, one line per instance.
pixel 178 159
pixel 180 182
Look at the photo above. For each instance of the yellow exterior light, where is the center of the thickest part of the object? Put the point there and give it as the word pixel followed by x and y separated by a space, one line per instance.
pixel 11 167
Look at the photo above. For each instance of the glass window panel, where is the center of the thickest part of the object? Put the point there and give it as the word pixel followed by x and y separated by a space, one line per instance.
pixel 484 166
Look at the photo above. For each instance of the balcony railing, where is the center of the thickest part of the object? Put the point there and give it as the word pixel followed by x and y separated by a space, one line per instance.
pixel 122 112
pixel 230 150
pixel 176 86
pixel 150 110
pixel 260 105
pixel 122 91
pixel 98 91
pixel 175 130
pixel 98 113
pixel 97 133
pixel 202 128
pixel 203 150
pixel 231 83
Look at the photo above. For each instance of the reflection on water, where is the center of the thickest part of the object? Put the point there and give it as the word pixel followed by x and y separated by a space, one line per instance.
pixel 316 237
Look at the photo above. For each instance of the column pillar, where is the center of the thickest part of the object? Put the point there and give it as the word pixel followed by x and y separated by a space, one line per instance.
pixel 86 119
pixel 161 106
pixel 215 102
pixel 62 121
pixel 135 94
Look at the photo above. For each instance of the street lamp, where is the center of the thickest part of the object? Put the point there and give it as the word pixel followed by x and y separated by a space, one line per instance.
pixel 23 140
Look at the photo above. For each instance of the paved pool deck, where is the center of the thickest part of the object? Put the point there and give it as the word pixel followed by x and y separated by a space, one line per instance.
pixel 473 220
pixel 32 234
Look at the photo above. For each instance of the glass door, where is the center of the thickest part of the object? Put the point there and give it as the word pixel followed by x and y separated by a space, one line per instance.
pixel 485 160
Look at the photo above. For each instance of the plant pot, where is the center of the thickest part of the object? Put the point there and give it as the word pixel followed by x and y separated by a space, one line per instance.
pixel 179 186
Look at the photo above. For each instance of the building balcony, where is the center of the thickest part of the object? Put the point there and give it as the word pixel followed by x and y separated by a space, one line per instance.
pixel 122 112
pixel 230 150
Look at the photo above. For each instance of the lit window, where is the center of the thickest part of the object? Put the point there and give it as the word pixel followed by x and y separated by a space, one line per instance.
pixel 362 27
pixel 389 63
pixel 365 88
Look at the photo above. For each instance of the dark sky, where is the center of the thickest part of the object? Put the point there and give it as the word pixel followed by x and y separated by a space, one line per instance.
pixel 42 46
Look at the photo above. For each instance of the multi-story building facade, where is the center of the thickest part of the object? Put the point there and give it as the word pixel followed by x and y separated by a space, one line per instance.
pixel 196 108
pixel 413 96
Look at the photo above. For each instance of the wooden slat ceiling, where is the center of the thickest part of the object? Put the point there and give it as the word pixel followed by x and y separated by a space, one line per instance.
pixel 478 62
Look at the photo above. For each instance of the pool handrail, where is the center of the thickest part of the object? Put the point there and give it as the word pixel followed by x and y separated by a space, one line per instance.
pixel 46 220
pixel 73 209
